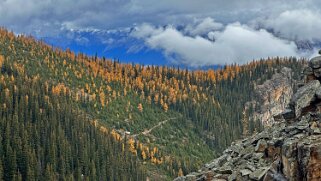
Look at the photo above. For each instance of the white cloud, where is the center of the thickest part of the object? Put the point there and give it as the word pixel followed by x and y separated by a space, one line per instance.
pixel 198 35
pixel 201 27
pixel 235 44
pixel 146 30
pixel 25 16
pixel 82 40
pixel 299 24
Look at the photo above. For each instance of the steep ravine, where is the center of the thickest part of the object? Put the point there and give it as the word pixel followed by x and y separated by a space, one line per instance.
pixel 288 150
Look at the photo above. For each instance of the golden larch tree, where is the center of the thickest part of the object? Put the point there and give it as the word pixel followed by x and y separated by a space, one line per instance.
pixel 140 107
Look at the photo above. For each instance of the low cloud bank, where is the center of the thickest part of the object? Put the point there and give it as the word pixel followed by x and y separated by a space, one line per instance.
pixel 234 43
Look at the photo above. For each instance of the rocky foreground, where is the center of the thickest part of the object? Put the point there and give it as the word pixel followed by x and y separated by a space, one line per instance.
pixel 288 150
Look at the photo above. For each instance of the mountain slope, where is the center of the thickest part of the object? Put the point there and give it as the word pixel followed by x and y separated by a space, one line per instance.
pixel 289 150
pixel 170 120
pixel 44 136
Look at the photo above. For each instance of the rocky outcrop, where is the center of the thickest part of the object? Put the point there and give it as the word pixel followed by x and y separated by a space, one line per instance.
pixel 285 152
pixel 304 97
pixel 289 150
pixel 273 96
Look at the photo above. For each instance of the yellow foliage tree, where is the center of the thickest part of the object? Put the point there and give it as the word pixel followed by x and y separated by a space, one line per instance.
pixel 140 107
pixel 149 100
pixel 131 143
pixel 180 172
pixel 156 98
pixel 165 107
pixel 1 60
pixel 102 98
pixel 144 156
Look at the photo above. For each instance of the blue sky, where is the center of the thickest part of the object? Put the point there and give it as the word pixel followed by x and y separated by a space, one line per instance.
pixel 103 44
pixel 181 32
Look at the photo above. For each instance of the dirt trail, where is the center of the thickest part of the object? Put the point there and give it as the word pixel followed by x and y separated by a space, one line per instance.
pixel 152 128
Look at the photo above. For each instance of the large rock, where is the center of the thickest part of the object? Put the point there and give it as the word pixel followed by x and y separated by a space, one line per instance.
pixel 217 162
pixel 274 148
pixel 309 157
pixel 314 164
pixel 289 160
pixel 287 114
pixel 308 71
pixel 318 93
pixel 225 170
pixel 259 173
pixel 315 128
pixel 261 146
pixel 245 172
pixel 190 177
pixel 290 168
pixel 304 96
pixel 317 72
pixel 180 179
pixel 315 62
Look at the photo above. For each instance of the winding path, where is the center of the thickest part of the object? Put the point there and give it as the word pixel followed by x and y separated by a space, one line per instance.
pixel 152 128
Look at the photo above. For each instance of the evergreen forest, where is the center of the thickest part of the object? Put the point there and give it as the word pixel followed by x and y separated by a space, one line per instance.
pixel 70 116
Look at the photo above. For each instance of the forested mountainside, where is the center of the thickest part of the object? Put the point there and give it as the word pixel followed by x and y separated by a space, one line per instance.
pixel 67 115
pixel 44 136
pixel 289 150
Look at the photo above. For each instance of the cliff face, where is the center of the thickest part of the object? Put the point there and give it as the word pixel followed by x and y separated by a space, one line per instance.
pixel 273 96
pixel 288 150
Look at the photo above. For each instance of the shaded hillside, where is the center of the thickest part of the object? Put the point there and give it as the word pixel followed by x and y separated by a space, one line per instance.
pixel 171 120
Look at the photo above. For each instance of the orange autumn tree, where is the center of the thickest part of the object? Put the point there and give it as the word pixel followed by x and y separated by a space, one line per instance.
pixel 102 98
pixel 140 107
pixel 165 107
pixel 1 60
